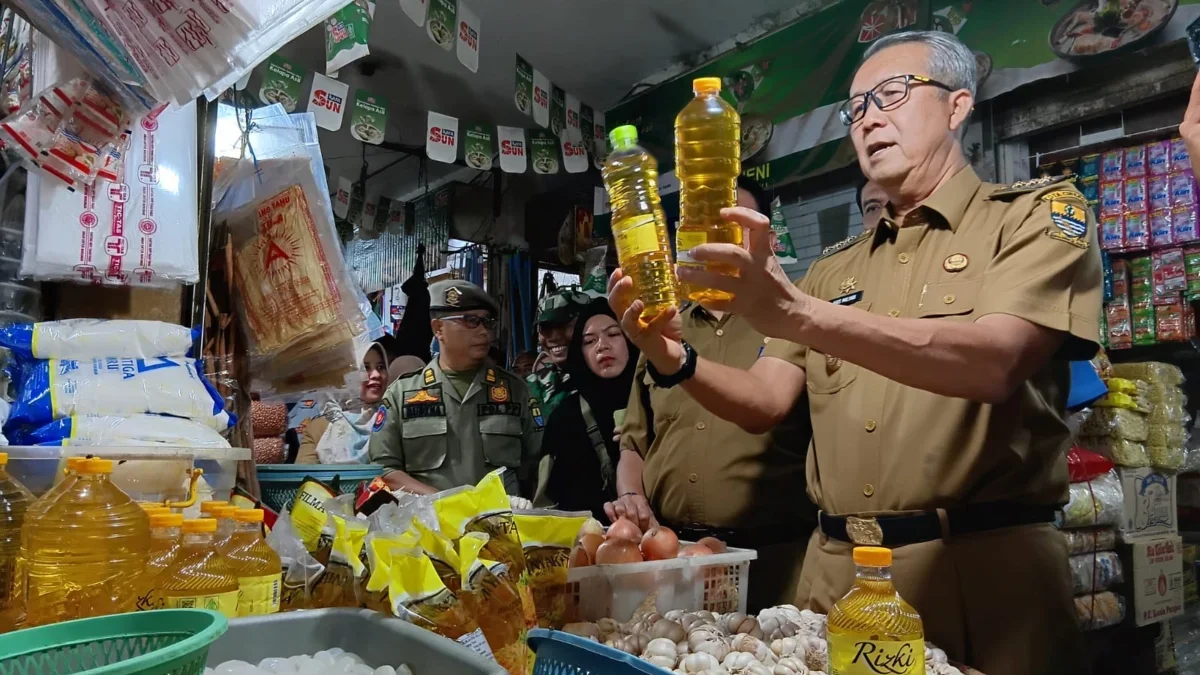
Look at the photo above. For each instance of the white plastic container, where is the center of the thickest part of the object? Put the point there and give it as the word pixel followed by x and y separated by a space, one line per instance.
pixel 717 583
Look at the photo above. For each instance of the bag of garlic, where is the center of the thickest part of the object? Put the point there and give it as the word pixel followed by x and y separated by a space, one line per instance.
pixel 301 319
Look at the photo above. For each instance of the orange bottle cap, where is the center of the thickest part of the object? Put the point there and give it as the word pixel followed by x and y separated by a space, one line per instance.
pixel 208 506
pixel 199 526
pixel 167 519
pixel 73 463
pixel 249 516
pixel 3 458
pixel 93 465
pixel 706 84
pixel 872 556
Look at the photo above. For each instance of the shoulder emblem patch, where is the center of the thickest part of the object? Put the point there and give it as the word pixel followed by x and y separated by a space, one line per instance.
pixel 845 243
pixel 380 418
pixel 1025 186
pixel 429 376
pixel 536 411
pixel 1069 219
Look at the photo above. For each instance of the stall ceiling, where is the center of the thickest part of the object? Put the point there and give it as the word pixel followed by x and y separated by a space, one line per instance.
pixel 595 49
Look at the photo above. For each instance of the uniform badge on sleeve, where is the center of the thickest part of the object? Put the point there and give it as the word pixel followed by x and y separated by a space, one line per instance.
pixel 536 411
pixel 1069 216
pixel 380 418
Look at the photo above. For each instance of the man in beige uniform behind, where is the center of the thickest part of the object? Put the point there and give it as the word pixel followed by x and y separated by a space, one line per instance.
pixel 704 476
pixel 935 354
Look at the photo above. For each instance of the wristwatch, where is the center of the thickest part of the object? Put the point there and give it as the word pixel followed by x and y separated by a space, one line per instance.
pixel 684 374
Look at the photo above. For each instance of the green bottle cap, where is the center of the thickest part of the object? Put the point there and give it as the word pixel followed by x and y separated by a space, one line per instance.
pixel 624 136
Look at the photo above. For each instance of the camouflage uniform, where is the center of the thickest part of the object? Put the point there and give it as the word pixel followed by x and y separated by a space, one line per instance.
pixel 549 383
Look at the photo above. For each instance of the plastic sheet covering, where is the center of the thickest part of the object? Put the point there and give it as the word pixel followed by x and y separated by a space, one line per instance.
pixel 1089 540
pixel 1099 610
pixel 1095 502
pixel 1094 572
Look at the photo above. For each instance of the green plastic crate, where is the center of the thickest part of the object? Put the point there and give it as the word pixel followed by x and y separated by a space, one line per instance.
pixel 279 483
pixel 163 642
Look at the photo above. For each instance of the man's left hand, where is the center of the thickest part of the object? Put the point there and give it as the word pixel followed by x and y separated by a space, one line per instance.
pixel 763 295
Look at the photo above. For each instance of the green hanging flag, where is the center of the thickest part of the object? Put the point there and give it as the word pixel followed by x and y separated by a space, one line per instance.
pixel 785 250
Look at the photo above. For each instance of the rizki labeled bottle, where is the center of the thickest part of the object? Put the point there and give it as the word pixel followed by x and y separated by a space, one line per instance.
pixel 872 630
pixel 638 223
pixel 708 146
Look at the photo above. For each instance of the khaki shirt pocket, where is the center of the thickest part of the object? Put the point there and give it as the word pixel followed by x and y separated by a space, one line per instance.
pixel 501 436
pixel 949 298
pixel 828 374
pixel 424 441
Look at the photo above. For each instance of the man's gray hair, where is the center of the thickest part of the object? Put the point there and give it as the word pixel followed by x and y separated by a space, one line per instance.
pixel 950 62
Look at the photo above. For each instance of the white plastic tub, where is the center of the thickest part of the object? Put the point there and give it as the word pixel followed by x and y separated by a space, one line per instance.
pixel 717 583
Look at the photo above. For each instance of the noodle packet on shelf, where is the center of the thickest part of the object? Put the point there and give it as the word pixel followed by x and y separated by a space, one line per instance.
pixel 491 592
pixel 1119 450
pixel 1095 502
pixel 547 538
pixel 418 595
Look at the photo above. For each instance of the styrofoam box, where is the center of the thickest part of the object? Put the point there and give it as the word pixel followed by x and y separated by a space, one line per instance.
pixel 1150 508
pixel 1156 580
pixel 717 583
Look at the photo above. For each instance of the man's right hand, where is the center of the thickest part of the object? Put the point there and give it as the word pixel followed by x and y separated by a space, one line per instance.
pixel 660 338
pixel 635 508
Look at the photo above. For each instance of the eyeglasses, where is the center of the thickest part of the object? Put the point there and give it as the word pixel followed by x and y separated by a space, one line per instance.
pixel 887 95
pixel 473 321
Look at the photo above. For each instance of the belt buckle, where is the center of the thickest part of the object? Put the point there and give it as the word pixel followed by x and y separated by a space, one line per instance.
pixel 864 531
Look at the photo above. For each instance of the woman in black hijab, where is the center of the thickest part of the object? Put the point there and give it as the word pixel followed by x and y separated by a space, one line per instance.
pixel 579 435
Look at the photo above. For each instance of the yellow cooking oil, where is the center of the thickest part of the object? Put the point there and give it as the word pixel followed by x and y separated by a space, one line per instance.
pixel 256 565
pixel 872 629
pixel 638 224
pixel 15 500
pixel 223 514
pixel 165 537
pixel 85 551
pixel 708 141
pixel 199 577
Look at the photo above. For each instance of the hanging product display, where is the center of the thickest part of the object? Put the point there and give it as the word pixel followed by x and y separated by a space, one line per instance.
pixel 369 119
pixel 441 141
pixel 440 22
pixel 346 34
pixel 541 98
pixel 513 153
pixel 327 102
pixel 479 147
pixel 281 83
pixel 523 86
pixel 468 37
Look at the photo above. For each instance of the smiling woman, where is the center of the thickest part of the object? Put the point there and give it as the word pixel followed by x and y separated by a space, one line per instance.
pixel 340 436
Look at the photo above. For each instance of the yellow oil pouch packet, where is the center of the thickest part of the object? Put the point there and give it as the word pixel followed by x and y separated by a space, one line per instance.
pixel 546 539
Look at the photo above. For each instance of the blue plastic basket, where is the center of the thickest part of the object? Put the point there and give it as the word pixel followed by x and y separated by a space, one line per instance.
pixel 560 653
pixel 280 482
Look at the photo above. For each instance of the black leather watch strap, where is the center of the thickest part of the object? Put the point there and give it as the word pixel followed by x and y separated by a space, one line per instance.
pixel 684 374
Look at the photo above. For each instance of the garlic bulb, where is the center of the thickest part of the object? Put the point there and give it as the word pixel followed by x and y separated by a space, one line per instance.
pixel 695 663
pixel 665 628
pixel 790 666
pixel 695 637
pixel 934 655
pixel 756 668
pixel 664 662
pixel 816 654
pixel 716 648
pixel 682 649
pixel 583 629
pixel 941 669
pixel 735 662
pixel 675 615
pixel 787 647
pixel 607 627
pixel 752 645
pixel 661 647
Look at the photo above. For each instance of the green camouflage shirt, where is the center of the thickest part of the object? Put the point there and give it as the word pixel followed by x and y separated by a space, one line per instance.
pixel 549 385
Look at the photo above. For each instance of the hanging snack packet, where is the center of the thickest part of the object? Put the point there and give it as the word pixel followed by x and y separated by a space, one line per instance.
pixel 441 553
pixel 595 275
pixel 485 508
pixel 418 595
pixel 492 596
pixel 346 33
pixel 785 249
pixel 547 538
pixel 338 586
pixel 308 511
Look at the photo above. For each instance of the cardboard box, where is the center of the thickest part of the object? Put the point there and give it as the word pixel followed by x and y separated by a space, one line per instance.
pixel 1150 508
pixel 1155 579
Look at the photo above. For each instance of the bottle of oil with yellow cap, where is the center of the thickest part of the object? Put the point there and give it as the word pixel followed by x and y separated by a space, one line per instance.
pixel 872 629
pixel 638 224
pixel 165 538
pixel 708 141
pixel 85 550
pixel 15 501
pixel 199 577
pixel 222 512
pixel 256 564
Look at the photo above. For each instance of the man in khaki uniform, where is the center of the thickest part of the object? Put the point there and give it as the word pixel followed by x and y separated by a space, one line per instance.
pixel 457 419
pixel 704 476
pixel 935 351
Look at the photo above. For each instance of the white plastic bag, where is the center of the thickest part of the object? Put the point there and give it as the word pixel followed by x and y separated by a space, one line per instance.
pixel 97 338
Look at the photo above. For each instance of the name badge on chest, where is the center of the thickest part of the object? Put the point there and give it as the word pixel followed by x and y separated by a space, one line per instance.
pixel 425 402
pixel 848 299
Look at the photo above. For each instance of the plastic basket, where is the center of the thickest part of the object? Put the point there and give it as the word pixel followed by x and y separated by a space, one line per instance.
pixel 380 640
pixel 561 653
pixel 717 583
pixel 280 482
pixel 163 642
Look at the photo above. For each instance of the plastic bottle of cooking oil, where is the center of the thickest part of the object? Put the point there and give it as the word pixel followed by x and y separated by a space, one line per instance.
pixel 84 551
pixel 223 514
pixel 165 533
pixel 638 224
pixel 15 500
pixel 872 629
pixel 206 507
pixel 199 577
pixel 708 140
pixel 256 565
pixel 152 508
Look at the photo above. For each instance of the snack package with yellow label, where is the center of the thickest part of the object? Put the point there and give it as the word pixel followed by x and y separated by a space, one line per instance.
pixel 547 538
pixel 300 569
pixel 485 508
pixel 441 553
pixel 418 596
pixel 491 594
pixel 308 511
pixel 338 586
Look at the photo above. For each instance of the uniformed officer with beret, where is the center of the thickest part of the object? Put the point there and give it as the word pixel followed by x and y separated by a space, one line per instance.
pixel 935 351
pixel 458 418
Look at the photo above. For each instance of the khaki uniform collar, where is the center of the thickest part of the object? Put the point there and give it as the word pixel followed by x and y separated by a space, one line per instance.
pixel 950 201
pixel 440 377
pixel 697 312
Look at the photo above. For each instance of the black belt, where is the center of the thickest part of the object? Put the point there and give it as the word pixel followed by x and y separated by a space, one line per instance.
pixel 747 537
pixel 894 530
